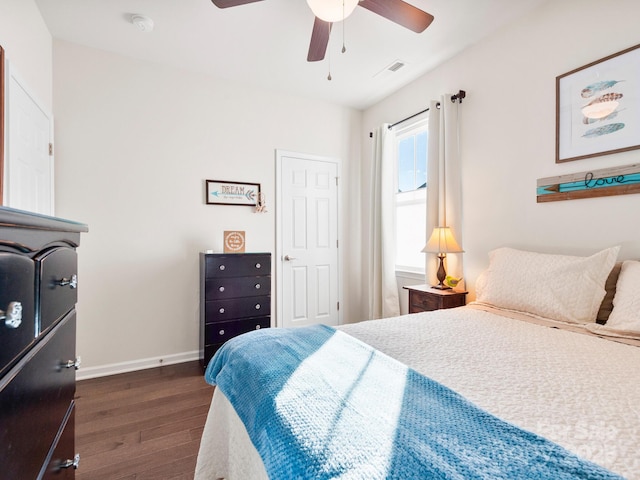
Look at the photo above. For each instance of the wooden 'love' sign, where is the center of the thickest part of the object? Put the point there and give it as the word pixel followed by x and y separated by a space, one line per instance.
pixel 595 183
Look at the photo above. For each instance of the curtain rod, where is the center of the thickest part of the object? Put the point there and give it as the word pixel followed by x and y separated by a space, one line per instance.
pixel 411 116
pixel 408 118
pixel 458 96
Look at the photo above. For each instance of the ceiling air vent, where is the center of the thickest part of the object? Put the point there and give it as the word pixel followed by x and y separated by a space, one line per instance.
pixel 395 66
pixel 390 69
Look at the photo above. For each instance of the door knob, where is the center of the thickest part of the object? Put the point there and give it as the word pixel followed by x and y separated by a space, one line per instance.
pixel 287 258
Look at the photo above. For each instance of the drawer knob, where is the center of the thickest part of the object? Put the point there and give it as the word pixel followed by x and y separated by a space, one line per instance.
pixel 13 316
pixel 73 363
pixel 221 310
pixel 258 327
pixel 221 289
pixel 221 332
pixel 222 267
pixel 257 286
pixel 257 306
pixel 71 463
pixel 71 282
pixel 258 265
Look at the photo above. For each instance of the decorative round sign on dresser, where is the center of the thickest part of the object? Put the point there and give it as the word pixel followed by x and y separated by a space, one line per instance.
pixel 234 241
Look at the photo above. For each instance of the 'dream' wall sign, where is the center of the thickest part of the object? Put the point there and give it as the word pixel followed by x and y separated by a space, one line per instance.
pixel 595 183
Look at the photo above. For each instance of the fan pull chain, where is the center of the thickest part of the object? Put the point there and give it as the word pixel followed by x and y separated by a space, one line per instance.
pixel 344 48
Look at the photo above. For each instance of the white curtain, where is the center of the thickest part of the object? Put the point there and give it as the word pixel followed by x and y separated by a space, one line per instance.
pixel 383 288
pixel 444 182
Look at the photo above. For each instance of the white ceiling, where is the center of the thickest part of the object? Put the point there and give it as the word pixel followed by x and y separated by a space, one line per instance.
pixel 266 43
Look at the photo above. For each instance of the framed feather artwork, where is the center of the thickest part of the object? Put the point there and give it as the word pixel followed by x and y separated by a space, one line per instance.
pixel 598 107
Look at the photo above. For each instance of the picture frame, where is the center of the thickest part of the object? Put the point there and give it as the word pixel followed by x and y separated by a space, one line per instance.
pixel 598 107
pixel 221 192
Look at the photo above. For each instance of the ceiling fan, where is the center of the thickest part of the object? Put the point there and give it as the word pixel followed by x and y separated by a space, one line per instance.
pixel 397 11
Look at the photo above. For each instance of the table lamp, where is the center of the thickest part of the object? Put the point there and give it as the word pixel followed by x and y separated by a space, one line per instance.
pixel 442 242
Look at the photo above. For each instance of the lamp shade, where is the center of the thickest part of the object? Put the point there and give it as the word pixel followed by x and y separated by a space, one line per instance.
pixel 332 10
pixel 442 241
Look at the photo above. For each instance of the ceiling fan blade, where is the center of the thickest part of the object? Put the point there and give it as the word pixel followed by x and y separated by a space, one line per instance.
pixel 319 40
pixel 232 3
pixel 400 12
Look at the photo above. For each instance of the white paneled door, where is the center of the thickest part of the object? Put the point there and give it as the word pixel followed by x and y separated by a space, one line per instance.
pixel 29 171
pixel 307 256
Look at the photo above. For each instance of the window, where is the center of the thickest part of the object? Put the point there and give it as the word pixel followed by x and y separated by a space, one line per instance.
pixel 411 196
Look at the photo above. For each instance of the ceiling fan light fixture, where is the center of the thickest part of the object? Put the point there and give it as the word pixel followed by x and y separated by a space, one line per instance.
pixel 332 10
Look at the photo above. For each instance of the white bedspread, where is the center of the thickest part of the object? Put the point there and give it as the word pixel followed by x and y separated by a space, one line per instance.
pixel 580 391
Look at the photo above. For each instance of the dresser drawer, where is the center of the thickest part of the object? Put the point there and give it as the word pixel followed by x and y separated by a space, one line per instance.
pixel 218 333
pixel 57 272
pixel 223 331
pixel 425 302
pixel 17 299
pixel 237 265
pixel 423 298
pixel 60 461
pixel 224 310
pixel 34 398
pixel 233 287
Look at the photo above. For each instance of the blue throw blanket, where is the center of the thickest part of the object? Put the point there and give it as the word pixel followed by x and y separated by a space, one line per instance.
pixel 320 404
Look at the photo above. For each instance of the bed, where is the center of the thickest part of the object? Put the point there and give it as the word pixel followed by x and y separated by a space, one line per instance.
pixel 552 354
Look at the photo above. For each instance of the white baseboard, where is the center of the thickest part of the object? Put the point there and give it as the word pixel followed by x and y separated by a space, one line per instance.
pixel 85 373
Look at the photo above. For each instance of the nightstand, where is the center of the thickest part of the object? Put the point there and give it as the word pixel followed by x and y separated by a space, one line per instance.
pixel 423 298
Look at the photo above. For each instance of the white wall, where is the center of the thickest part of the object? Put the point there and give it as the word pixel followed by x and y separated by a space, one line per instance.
pixel 508 132
pixel 27 45
pixel 135 142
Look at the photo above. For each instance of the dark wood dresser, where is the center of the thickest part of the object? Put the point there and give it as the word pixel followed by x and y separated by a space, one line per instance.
pixel 38 292
pixel 235 297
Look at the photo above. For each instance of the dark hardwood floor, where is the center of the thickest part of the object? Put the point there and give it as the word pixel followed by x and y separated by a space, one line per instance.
pixel 141 425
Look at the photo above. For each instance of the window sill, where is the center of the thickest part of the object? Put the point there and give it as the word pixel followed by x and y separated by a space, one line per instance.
pixel 418 277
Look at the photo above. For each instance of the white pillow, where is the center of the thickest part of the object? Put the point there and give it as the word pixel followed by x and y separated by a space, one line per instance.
pixel 559 287
pixel 626 303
